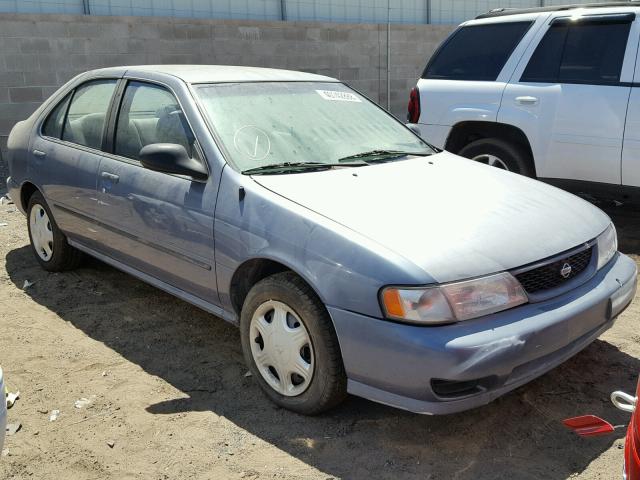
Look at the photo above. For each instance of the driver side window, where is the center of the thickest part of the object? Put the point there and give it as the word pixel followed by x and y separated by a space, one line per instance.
pixel 150 114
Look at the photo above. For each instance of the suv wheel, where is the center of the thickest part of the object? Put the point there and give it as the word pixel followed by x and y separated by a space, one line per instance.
pixel 290 346
pixel 48 243
pixel 499 154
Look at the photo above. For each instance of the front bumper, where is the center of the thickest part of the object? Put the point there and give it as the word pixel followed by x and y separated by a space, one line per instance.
pixel 3 411
pixel 394 363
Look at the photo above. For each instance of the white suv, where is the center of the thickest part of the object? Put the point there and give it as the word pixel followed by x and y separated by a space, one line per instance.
pixel 552 93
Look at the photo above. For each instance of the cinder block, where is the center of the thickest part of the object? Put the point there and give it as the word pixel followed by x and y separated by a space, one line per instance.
pixel 11 44
pixel 49 29
pixel 35 45
pixel 11 79
pixel 64 46
pixel 25 94
pixel 21 63
pixel 17 28
pixel 348 74
pixel 196 31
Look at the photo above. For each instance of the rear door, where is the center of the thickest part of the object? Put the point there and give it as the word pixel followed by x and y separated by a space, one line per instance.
pixel 66 155
pixel 569 95
pixel 158 223
pixel 631 143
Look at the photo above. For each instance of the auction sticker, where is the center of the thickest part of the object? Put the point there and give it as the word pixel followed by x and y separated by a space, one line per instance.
pixel 335 96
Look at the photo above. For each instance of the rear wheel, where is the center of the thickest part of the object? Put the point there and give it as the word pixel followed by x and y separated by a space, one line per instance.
pixel 500 154
pixel 49 244
pixel 290 345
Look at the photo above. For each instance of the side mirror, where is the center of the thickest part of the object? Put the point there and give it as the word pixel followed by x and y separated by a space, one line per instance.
pixel 171 158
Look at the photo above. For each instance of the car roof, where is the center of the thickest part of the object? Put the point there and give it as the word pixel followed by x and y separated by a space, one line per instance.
pixel 217 73
pixel 501 12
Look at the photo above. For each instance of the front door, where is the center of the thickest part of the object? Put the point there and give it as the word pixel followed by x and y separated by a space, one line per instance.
pixel 570 96
pixel 158 223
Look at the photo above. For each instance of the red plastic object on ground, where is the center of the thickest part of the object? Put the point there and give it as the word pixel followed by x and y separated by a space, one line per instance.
pixel 589 426
pixel 592 426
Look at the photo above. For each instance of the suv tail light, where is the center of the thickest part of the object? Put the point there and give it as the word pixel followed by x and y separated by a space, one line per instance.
pixel 413 114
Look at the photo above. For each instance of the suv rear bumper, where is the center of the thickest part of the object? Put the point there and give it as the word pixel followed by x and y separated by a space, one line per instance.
pixel 436 135
pixel 394 363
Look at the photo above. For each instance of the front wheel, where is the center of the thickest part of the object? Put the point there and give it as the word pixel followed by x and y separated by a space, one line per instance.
pixel 290 346
pixel 500 154
pixel 49 244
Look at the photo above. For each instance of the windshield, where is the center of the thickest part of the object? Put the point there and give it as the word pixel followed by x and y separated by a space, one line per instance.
pixel 276 123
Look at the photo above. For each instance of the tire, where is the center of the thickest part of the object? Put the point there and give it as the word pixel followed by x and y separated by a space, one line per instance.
pixel 48 243
pixel 327 385
pixel 509 156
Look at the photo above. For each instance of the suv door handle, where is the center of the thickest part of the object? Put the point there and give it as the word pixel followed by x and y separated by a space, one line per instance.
pixel 110 176
pixel 39 153
pixel 527 100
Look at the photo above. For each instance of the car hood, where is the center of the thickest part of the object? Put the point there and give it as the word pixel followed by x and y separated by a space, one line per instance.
pixel 452 217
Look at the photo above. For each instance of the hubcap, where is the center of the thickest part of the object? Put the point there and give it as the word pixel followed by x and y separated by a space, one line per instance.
pixel 491 160
pixel 281 348
pixel 41 232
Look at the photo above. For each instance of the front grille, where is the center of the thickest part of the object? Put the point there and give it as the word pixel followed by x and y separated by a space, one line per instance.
pixel 549 276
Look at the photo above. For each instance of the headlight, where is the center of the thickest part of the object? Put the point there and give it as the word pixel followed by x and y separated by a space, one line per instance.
pixel 607 245
pixel 453 301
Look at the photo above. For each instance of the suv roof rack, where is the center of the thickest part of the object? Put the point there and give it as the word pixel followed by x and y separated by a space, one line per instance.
pixel 501 12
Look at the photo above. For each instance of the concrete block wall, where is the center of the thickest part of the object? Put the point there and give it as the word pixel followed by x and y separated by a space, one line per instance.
pixel 38 53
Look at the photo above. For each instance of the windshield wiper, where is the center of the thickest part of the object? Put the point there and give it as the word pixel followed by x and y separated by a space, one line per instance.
pixel 381 155
pixel 285 167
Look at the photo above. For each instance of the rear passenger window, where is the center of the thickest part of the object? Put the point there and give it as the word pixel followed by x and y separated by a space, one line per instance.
pixel 87 113
pixel 476 52
pixel 53 124
pixel 587 52
pixel 150 114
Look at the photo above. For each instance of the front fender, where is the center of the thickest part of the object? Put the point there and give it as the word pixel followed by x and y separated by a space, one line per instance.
pixel 344 268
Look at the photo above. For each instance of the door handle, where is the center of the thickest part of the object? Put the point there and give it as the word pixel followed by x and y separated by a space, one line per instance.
pixel 527 100
pixel 39 153
pixel 110 176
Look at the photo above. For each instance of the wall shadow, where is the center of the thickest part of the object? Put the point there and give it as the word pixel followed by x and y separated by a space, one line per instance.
pixel 517 436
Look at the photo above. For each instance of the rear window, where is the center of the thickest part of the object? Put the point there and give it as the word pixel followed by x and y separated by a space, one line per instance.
pixel 583 52
pixel 476 52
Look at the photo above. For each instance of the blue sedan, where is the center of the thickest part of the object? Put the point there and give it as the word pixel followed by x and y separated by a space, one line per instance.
pixel 353 256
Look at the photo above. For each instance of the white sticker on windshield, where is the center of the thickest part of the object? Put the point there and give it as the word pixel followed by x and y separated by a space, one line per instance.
pixel 338 96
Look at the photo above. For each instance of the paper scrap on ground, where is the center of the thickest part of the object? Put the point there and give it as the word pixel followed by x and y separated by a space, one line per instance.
pixel 83 402
pixel 27 284
pixel 13 428
pixel 54 415
pixel 11 398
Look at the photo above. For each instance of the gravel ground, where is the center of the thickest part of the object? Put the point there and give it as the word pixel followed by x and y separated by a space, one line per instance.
pixel 168 397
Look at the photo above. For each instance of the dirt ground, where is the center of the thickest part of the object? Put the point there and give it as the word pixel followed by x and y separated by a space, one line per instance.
pixel 167 388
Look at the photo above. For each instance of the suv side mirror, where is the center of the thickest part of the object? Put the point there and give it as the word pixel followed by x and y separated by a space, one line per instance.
pixel 171 158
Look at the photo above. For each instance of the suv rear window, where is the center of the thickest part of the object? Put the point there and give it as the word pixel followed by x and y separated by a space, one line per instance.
pixel 476 52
